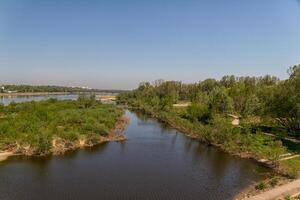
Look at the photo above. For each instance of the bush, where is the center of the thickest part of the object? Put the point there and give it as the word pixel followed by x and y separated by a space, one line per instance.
pixel 198 112
pixel 261 186
pixel 37 123
pixel 273 182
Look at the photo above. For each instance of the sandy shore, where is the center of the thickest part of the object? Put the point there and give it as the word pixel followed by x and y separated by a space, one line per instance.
pixel 289 189
pixel 5 155
pixel 60 146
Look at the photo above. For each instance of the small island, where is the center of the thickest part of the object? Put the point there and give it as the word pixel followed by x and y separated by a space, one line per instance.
pixel 55 126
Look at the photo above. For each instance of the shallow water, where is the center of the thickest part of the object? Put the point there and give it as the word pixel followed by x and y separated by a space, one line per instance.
pixel 156 162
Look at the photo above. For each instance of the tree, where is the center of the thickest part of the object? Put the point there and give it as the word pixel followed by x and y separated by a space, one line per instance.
pixel 198 112
pixel 220 101
pixel 252 106
pixel 86 101
pixel 284 105
pixel 208 85
pixel 228 81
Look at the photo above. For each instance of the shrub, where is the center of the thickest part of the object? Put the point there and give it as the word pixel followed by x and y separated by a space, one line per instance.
pixel 198 112
pixel 261 186
pixel 37 123
pixel 273 182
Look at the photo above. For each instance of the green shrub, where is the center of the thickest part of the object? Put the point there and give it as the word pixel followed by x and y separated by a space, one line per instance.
pixel 273 182
pixel 37 123
pixel 198 112
pixel 261 186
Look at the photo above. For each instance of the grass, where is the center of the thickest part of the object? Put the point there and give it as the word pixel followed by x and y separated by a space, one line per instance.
pixel 291 166
pixel 261 186
pixel 36 124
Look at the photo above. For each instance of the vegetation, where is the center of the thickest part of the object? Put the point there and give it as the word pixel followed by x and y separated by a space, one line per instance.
pixel 264 104
pixel 32 127
pixel 261 186
pixel 49 88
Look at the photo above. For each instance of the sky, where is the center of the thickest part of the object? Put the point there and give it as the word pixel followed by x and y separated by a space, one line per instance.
pixel 115 44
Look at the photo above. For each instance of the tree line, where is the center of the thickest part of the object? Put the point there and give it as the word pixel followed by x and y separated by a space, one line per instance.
pixel 50 88
pixel 275 102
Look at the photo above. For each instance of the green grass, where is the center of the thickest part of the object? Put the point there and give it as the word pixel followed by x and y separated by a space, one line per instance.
pixel 37 123
pixel 292 166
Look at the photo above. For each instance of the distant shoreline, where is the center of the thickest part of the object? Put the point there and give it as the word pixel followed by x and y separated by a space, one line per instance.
pixel 33 93
pixel 51 93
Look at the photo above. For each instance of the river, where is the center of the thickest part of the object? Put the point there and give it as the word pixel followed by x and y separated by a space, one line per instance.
pixel 156 162
pixel 18 99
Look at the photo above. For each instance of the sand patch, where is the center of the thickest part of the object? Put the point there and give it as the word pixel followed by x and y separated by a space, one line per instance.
pixel 5 155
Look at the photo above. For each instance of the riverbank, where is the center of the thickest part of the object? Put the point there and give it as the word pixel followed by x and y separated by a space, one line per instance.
pixel 192 132
pixel 5 155
pixel 55 126
pixel 282 177
pixel 151 147
pixel 60 146
pixel 276 187
pixel 283 191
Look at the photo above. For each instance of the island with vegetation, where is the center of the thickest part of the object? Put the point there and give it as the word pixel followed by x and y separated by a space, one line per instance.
pixel 55 126
pixel 253 117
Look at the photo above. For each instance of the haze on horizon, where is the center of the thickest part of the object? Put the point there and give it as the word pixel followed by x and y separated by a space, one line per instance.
pixel 116 44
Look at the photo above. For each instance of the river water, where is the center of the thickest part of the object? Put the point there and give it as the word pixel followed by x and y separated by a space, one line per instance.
pixel 156 162
pixel 18 99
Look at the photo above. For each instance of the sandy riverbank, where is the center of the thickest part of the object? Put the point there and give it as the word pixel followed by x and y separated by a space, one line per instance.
pixel 60 147
pixel 5 155
pixel 290 189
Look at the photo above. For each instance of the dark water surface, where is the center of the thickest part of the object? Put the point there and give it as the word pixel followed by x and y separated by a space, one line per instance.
pixel 156 162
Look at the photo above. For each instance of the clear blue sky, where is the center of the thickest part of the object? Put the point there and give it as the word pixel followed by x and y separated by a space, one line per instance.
pixel 116 44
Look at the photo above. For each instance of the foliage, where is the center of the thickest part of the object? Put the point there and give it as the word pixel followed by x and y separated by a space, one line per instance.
pixel 261 186
pixel 267 97
pixel 198 113
pixel 284 103
pixel 256 100
pixel 273 182
pixel 49 88
pixel 86 101
pixel 37 123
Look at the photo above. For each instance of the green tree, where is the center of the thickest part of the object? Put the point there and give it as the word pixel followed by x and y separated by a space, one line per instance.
pixel 220 101
pixel 284 105
pixel 198 112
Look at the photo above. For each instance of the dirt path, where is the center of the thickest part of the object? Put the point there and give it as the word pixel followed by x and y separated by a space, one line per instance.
pixel 290 157
pixel 291 188
pixel 286 138
pixel 236 119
